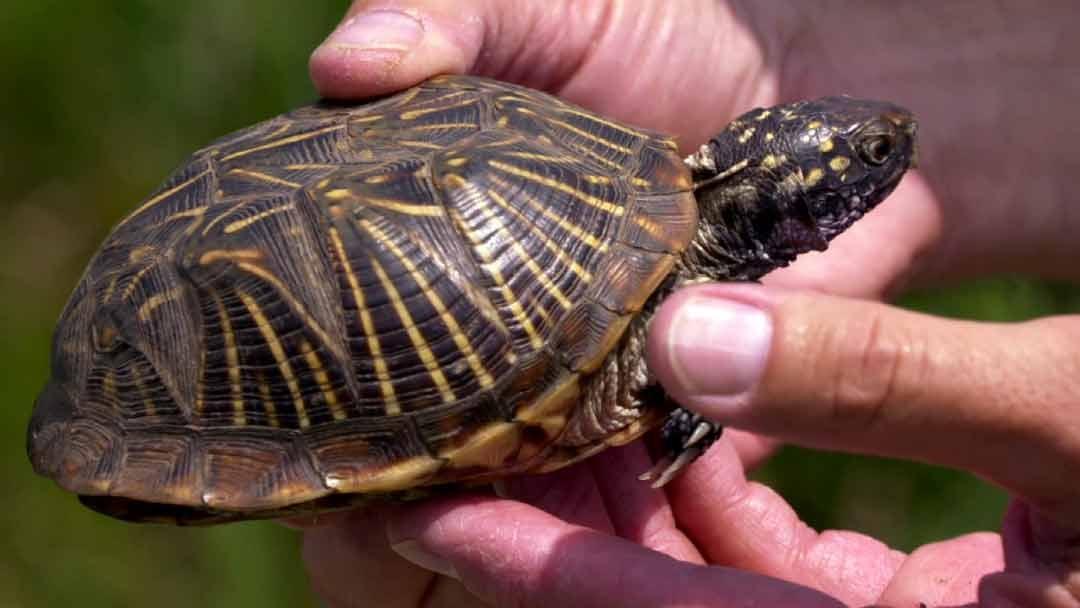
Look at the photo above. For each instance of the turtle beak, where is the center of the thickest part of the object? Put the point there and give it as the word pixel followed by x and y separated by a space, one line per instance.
pixel 907 125
pixel 911 129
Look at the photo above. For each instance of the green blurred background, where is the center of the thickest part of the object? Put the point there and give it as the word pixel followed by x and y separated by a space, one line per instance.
pixel 100 101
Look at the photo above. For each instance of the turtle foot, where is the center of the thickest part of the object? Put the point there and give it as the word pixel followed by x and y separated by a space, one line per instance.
pixel 685 436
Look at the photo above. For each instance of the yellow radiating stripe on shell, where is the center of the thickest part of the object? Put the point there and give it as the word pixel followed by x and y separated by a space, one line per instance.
pixel 607 123
pixel 523 255
pixel 136 378
pixel 265 177
pixel 310 166
pixel 417 339
pixel 244 258
pixel 386 387
pixel 591 137
pixel 600 158
pixel 232 362
pixel 223 216
pixel 566 109
pixel 340 194
pixel 414 114
pixel 197 212
pixel 230 255
pixel 267 401
pixel 240 224
pixel 108 386
pixel 311 358
pixel 271 338
pixel 442 125
pixel 504 289
pixel 133 284
pixel 562 222
pixel 544 158
pixel 140 253
pixel 456 333
pixel 550 244
pixel 419 144
pixel 544 180
pixel 300 309
pixel 364 119
pixel 162 196
pixel 155 301
pixel 110 289
pixel 284 141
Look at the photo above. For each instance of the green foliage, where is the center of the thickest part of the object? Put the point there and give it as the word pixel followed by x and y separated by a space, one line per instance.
pixel 102 100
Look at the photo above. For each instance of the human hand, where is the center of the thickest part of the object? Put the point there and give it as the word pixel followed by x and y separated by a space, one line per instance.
pixel 562 547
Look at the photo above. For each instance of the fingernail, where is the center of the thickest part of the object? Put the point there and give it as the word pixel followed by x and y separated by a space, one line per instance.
pixel 413 552
pixel 718 347
pixel 383 30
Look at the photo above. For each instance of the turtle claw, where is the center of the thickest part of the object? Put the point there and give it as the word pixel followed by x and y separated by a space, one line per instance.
pixel 686 436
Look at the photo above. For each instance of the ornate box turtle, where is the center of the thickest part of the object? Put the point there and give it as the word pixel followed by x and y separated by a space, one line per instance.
pixel 450 284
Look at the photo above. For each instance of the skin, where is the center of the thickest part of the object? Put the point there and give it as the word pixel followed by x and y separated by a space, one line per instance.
pixel 998 127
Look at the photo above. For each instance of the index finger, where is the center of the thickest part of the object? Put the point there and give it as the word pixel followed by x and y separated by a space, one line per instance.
pixel 511 554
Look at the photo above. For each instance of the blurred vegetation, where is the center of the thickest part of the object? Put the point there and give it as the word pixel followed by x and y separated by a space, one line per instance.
pixel 101 100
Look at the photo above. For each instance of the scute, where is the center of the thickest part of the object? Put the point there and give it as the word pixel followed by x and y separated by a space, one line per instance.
pixel 381 296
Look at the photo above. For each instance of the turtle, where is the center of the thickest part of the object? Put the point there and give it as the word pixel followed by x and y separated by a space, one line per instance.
pixel 433 289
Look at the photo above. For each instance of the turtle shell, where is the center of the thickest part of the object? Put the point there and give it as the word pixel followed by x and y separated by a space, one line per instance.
pixel 359 299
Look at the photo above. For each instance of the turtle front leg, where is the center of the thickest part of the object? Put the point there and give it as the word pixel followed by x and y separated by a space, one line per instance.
pixel 685 436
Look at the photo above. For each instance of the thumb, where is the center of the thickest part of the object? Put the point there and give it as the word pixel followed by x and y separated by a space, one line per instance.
pixel 384 46
pixel 837 373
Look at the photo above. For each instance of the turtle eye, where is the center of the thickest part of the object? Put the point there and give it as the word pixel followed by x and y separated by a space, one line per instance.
pixel 876 150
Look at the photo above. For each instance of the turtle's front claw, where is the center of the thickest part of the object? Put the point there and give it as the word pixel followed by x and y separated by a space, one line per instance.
pixel 686 436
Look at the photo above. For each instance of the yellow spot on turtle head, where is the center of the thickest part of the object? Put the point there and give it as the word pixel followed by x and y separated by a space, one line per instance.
pixel 763 115
pixel 376 179
pixel 772 161
pixel 814 176
pixel 826 146
pixel 839 163
pixel 814 124
pixel 770 136
pixel 457 161
pixel 746 135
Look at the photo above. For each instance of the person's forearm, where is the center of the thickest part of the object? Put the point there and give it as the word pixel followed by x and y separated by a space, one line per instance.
pixel 996 86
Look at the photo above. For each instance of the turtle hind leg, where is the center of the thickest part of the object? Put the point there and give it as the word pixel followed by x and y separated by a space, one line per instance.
pixel 684 437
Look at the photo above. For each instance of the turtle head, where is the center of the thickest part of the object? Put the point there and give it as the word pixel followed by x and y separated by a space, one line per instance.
pixel 781 181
